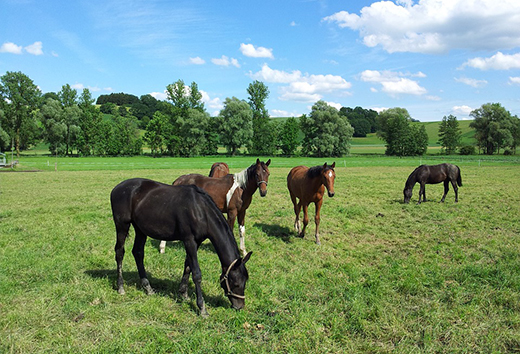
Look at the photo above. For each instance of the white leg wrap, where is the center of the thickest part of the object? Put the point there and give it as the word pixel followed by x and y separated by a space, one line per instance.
pixel 162 246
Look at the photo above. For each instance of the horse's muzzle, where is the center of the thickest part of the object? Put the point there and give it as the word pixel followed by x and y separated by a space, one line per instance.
pixel 331 194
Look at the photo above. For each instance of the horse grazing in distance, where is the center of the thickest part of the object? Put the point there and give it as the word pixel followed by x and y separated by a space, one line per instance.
pixel 308 185
pixel 154 210
pixel 219 169
pixel 425 174
pixel 232 193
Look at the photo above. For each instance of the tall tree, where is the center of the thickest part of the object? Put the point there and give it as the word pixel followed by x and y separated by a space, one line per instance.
pixel 494 127
pixel 288 137
pixel 235 124
pixel 264 139
pixel 402 137
pixel 155 131
pixel 89 123
pixel 68 96
pixel 449 134
pixel 19 97
pixel 195 98
pixel 326 132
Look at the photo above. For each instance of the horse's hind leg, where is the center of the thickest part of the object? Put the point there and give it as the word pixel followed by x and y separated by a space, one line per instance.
pixel 446 189
pixel 297 208
pixel 422 193
pixel 305 218
pixel 122 233
pixel 456 190
pixel 162 247
pixel 183 287
pixel 138 252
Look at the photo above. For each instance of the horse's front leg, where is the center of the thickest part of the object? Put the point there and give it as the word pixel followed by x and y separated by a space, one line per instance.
pixel 446 189
pixel 297 208
pixel 138 252
pixel 305 218
pixel 191 255
pixel 422 193
pixel 317 220
pixel 242 231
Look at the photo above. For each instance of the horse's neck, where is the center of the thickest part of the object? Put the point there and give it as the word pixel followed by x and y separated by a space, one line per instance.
pixel 316 182
pixel 247 184
pixel 412 179
pixel 225 246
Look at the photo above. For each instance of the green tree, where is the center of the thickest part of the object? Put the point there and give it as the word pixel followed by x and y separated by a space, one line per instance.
pixel 193 128
pixel 494 127
pixel 326 132
pixel 19 97
pixel 449 134
pixel 264 134
pixel 402 136
pixel 68 96
pixel 54 128
pixel 155 131
pixel 288 138
pixel 235 124
pixel 89 124
pixel 195 98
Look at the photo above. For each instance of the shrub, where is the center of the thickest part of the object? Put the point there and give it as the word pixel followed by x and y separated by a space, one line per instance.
pixel 467 150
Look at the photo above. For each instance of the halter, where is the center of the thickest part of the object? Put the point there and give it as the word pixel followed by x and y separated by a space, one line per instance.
pixel 260 182
pixel 225 278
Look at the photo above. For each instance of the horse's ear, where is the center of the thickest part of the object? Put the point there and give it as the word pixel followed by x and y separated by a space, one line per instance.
pixel 257 161
pixel 325 166
pixel 333 164
pixel 246 258
pixel 268 162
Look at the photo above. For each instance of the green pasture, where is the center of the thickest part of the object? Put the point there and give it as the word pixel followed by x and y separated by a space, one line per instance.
pixel 387 278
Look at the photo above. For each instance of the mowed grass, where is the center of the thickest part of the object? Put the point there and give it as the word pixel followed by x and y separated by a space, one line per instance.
pixel 388 277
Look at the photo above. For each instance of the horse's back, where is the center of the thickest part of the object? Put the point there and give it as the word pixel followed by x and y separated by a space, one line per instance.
pixel 296 180
pixel 217 188
pixel 219 169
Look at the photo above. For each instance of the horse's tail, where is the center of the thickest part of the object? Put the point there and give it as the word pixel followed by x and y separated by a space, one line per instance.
pixel 459 177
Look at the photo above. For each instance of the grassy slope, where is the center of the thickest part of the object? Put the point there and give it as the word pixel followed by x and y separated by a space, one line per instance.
pixel 388 277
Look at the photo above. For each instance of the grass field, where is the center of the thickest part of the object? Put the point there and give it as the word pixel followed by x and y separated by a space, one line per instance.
pixel 388 277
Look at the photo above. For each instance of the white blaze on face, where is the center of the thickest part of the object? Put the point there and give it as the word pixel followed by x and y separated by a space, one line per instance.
pixel 330 174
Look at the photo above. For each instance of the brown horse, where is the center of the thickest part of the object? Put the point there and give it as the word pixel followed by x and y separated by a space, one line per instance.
pixel 219 169
pixel 154 210
pixel 424 174
pixel 308 185
pixel 232 193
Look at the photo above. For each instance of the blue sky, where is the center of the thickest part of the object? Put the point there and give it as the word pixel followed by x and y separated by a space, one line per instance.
pixel 432 57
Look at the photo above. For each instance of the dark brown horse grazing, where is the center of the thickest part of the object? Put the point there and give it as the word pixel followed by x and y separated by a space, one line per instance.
pixel 308 185
pixel 425 174
pixel 184 213
pixel 232 193
pixel 219 169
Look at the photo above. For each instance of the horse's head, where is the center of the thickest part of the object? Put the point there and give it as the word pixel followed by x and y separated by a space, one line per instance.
pixel 407 195
pixel 233 281
pixel 262 176
pixel 328 175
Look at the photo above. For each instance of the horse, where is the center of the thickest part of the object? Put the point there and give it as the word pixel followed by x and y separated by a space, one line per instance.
pixel 232 193
pixel 184 213
pixel 434 174
pixel 308 185
pixel 219 169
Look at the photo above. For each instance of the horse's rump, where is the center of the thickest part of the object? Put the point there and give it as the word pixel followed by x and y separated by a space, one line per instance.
pixel 219 169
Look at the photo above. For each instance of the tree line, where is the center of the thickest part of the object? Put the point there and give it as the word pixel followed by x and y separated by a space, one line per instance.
pixel 122 124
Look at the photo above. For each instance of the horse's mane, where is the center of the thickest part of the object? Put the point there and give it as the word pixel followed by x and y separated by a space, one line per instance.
pixel 316 171
pixel 243 176
pixel 412 178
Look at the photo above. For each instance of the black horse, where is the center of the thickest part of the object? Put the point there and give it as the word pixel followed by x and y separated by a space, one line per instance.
pixel 425 174
pixel 184 213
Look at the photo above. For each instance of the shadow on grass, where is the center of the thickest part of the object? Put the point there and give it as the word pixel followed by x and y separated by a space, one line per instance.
pixel 178 245
pixel 282 232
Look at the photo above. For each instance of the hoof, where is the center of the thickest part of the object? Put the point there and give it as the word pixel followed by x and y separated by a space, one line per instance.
pixel 318 243
pixel 161 250
pixel 121 291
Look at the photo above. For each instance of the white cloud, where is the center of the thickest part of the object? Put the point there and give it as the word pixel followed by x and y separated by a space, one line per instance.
pixel 250 50
pixel 435 26
pixel 80 87
pixel 335 105
pixel 471 82
pixel 9 47
pixel 498 61
pixel 161 96
pixel 225 61
pixel 293 24
pixel 282 113
pixel 214 104
pixel 302 87
pixel 394 83
pixel 197 61
pixel 514 80
pixel 462 110
pixel 35 48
